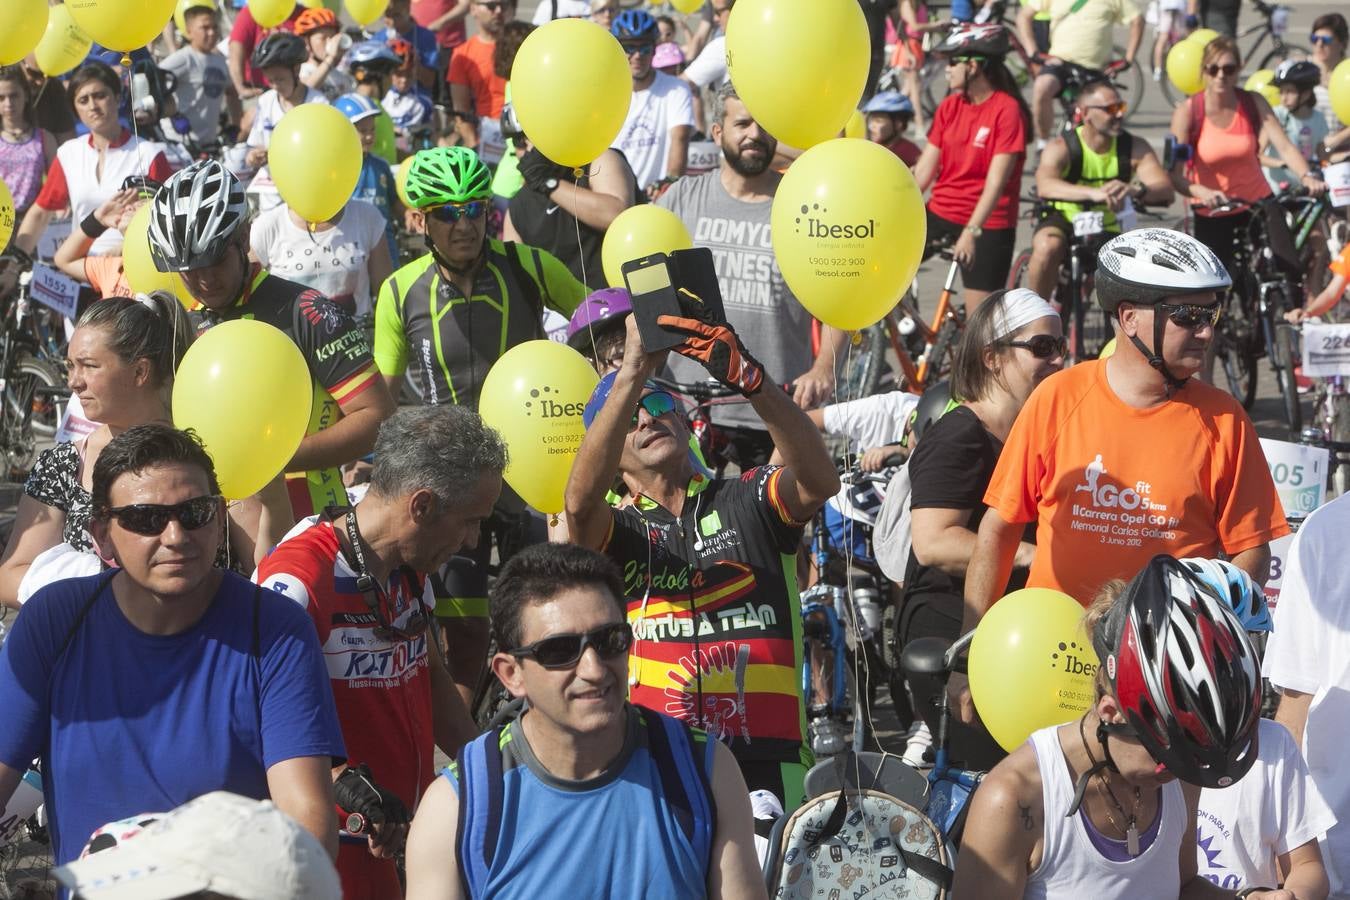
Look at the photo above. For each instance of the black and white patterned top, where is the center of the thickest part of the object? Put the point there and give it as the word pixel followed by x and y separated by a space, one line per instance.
pixel 55 481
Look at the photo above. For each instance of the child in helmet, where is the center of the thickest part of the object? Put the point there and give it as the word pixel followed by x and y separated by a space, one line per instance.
pixel 376 182
pixel 888 115
pixel 279 56
pixel 372 63
pixel 1298 116
pixel 407 102
pixel 318 28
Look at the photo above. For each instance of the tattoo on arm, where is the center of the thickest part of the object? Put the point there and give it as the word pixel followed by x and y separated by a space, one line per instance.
pixel 1024 812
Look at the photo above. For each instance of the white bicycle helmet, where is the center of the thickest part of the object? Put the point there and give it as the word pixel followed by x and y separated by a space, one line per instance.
pixel 1231 583
pixel 194 216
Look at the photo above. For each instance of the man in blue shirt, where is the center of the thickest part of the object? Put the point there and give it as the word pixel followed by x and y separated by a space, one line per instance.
pixel 165 678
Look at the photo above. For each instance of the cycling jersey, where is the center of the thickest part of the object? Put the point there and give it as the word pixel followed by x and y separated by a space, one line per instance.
pixel 1095 170
pixel 336 352
pixel 454 340
pixel 713 601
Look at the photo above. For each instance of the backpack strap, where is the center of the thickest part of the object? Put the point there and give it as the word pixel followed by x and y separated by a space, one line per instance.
pixel 531 285
pixel 686 776
pixel 1248 109
pixel 1197 110
pixel 479 768
pixel 1074 143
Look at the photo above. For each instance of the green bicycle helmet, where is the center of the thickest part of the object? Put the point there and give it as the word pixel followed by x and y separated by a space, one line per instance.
pixel 447 175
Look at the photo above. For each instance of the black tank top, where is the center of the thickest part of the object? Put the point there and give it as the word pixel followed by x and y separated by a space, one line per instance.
pixel 544 224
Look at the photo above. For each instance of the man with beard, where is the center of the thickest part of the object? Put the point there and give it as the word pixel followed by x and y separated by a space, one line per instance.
pixel 728 211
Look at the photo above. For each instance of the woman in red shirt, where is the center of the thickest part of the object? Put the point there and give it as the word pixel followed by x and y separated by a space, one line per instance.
pixel 973 161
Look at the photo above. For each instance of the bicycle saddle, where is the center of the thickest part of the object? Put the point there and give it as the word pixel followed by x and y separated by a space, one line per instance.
pixel 927 656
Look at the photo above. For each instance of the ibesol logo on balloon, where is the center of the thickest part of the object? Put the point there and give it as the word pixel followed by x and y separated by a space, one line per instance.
pixel 835 236
pixel 566 429
pixel 1078 663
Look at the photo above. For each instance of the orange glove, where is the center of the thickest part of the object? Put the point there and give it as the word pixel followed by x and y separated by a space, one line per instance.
pixel 718 349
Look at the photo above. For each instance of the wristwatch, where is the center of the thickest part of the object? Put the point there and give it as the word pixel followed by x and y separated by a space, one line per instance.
pixel 975 230
pixel 551 184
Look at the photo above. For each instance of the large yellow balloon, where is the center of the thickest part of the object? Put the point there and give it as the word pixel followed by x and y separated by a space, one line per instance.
pixel 245 389
pixel 366 11
pixel 640 231
pixel 139 267
pixel 856 126
pixel 571 89
pixel 21 25
pixel 848 230
pixel 1260 82
pixel 1031 664
pixel 1339 89
pixel 534 396
pixel 270 13
pixel 124 25
pixel 6 214
pixel 800 66
pixel 63 45
pixel 315 158
pixel 1183 66
pixel 184 5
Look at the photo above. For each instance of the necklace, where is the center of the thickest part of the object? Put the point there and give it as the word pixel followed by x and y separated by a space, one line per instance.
pixel 1131 829
pixel 17 134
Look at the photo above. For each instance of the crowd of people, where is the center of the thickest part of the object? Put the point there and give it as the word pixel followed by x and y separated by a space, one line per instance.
pixel 248 698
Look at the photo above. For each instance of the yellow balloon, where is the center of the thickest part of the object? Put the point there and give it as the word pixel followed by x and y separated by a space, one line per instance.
pixel 1339 89
pixel 366 11
pixel 688 7
pixel 848 229
pixel 800 66
pixel 1183 66
pixel 401 181
pixel 184 5
pixel 856 127
pixel 315 158
pixel 124 25
pixel 640 231
pixel 1031 664
pixel 21 25
pixel 139 267
pixel 270 13
pixel 63 45
pixel 1108 349
pixel 245 389
pixel 571 89
pixel 6 214
pixel 1202 36
pixel 1260 82
pixel 534 396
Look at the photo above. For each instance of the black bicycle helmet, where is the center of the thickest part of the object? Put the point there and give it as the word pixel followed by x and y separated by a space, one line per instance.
pixel 968 39
pixel 635 25
pixel 1297 72
pixel 280 48
pixel 935 403
pixel 1184 674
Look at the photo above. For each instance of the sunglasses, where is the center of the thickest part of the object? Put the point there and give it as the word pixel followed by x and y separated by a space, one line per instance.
pixel 1326 40
pixel 1043 346
pixel 657 404
pixel 1112 109
pixel 492 6
pixel 563 651
pixel 451 213
pixel 1189 315
pixel 150 519
pixel 644 49
pixel 1228 70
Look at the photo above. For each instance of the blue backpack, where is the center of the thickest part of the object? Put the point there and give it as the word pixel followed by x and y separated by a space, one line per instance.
pixel 683 757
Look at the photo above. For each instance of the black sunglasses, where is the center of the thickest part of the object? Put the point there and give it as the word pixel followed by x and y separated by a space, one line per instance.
pixel 643 49
pixel 1043 346
pixel 1229 69
pixel 451 213
pixel 657 404
pixel 151 519
pixel 1192 316
pixel 562 651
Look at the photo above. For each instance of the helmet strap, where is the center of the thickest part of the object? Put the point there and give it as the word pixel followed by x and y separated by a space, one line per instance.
pixel 1154 356
pixel 450 267
pixel 1081 785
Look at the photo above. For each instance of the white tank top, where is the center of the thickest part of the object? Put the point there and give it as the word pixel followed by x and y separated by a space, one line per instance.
pixel 1072 867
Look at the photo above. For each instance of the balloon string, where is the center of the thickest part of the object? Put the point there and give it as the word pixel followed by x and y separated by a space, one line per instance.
pixel 581 255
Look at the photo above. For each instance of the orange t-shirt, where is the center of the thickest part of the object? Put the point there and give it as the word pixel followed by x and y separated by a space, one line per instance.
pixel 1111 486
pixel 472 66
pixel 1341 264
pixel 106 276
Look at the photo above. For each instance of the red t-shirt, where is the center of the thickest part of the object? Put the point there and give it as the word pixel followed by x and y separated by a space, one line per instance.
pixel 249 33
pixel 970 135
pixel 907 150
pixel 472 65
pixel 424 12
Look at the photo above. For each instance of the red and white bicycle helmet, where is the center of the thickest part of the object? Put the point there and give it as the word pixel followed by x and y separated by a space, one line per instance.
pixel 1184 674
pixel 968 39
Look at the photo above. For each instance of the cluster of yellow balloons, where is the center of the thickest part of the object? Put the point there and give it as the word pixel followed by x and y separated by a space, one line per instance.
pixel 315 160
pixel 1339 89
pixel 216 392
pixel 549 66
pixel 1184 61
pixel 640 231
pixel 534 395
pixel 1031 664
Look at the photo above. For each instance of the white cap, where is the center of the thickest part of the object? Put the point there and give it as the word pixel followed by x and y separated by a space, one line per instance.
pixel 220 842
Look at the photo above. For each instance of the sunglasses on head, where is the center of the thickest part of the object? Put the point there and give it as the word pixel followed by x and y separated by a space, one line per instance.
pixel 1112 109
pixel 150 519
pixel 1043 346
pixel 562 651
pixel 643 49
pixel 451 213
pixel 1190 315
pixel 1228 69
pixel 1325 40
pixel 657 404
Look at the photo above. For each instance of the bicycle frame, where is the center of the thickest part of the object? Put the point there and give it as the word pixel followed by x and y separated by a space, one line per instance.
pixel 916 373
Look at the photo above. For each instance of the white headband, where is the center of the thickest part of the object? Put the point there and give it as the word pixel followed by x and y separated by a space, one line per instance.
pixel 1017 308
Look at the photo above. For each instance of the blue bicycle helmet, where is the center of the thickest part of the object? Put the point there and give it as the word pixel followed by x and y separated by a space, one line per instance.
pixel 635 25
pixel 373 54
pixel 893 102
pixel 356 107
pixel 1237 588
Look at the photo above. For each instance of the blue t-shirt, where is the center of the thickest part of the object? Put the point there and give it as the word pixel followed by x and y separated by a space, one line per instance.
pixel 423 41
pixel 376 185
pixel 127 722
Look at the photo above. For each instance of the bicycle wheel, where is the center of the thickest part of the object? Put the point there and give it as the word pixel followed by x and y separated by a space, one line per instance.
pixel 1233 353
pixel 1286 352
pixel 1282 52
pixel 863 371
pixel 26 415
pixel 942 355
pixel 46 411
pixel 1130 82
pixel 1018 276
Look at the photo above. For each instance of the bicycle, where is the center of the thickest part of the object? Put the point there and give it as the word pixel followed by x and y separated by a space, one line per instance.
pixel 32 388
pixel 926 350
pixel 25 844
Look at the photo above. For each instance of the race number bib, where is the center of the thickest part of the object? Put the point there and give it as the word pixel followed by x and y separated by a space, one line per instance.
pixel 1326 349
pixel 1299 473
pixel 1086 224
pixel 491 144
